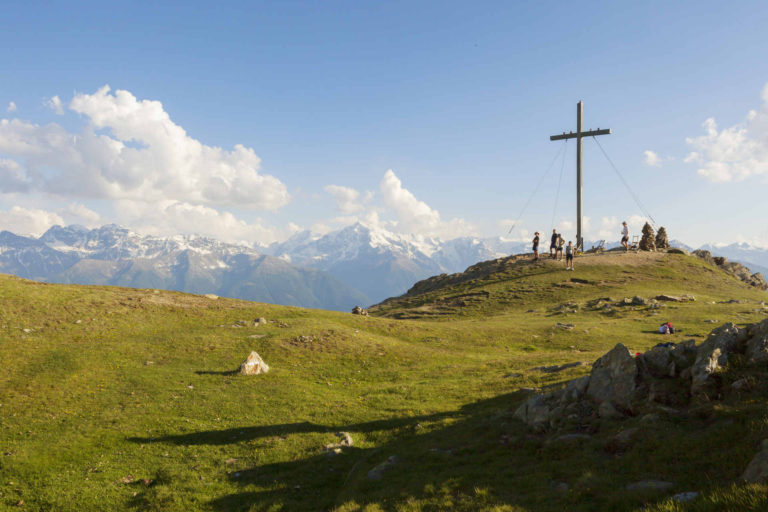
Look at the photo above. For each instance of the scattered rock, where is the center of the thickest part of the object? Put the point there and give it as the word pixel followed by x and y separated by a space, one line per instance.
pixel 207 296
pixel 757 470
pixel 357 310
pixel 650 485
pixel 260 321
pixel 26 331
pixel 685 496
pixel 345 441
pixel 253 365
pixel 78 321
pixel 561 487
pixel 673 298
pixel 567 327
pixel 377 473
pixel 257 336
pixel 230 461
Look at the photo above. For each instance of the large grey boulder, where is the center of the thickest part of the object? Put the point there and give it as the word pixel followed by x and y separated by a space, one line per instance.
pixel 614 378
pixel 713 354
pixel 757 345
pixel 757 470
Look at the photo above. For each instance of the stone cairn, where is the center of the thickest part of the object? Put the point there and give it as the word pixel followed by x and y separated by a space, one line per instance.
pixel 662 242
pixel 664 377
pixel 648 241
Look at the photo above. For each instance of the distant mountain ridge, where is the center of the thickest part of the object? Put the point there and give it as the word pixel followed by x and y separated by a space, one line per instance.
pixel 113 255
pixel 355 265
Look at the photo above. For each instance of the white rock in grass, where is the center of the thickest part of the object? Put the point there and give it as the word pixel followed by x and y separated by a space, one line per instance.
pixel 253 365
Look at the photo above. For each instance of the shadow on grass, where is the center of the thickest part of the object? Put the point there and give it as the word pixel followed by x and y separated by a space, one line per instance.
pixel 214 372
pixel 478 457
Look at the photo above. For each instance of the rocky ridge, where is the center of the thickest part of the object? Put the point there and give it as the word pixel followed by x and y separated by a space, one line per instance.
pixel 735 269
pixel 668 378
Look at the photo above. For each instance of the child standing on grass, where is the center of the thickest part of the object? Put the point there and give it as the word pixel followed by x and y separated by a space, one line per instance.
pixel 569 256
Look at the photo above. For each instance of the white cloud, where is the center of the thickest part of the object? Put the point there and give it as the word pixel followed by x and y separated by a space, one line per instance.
pixel 11 107
pixel 130 149
pixel 12 177
pixel 76 213
pixel 735 153
pixel 416 217
pixel 55 105
pixel 174 217
pixel 652 158
pixel 347 199
pixel 28 221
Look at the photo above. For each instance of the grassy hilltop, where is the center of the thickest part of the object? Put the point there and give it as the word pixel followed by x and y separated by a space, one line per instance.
pixel 116 398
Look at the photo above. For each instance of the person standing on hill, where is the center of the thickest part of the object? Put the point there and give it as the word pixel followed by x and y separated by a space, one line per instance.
pixel 553 245
pixel 560 244
pixel 625 236
pixel 569 256
pixel 536 247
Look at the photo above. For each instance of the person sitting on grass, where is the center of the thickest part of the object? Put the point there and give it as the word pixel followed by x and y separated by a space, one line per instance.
pixel 569 256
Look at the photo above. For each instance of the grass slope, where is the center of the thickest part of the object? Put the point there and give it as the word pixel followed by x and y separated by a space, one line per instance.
pixel 105 387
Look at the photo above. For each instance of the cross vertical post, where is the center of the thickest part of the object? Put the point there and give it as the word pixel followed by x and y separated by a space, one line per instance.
pixel 579 135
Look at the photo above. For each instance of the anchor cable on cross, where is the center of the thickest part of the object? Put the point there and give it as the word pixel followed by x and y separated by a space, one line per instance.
pixel 580 134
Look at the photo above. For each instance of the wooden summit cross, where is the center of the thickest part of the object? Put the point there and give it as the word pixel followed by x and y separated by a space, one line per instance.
pixel 578 136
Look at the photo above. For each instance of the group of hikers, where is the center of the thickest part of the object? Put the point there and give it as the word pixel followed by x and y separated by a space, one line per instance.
pixel 557 243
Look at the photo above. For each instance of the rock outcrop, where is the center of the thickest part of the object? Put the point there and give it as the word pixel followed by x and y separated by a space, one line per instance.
pixel 734 268
pixel 357 310
pixel 667 376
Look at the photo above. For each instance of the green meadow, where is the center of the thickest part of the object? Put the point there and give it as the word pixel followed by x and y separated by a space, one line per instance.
pixel 129 399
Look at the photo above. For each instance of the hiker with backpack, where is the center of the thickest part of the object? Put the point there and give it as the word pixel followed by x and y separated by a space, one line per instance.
pixel 536 247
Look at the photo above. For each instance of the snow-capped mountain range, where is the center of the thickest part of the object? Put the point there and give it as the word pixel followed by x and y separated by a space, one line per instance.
pixel 357 264
pixel 383 264
pixel 115 255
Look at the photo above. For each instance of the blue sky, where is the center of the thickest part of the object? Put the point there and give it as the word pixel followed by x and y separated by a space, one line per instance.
pixel 458 99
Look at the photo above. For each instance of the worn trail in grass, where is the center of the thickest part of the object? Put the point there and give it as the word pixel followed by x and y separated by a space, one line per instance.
pixel 105 387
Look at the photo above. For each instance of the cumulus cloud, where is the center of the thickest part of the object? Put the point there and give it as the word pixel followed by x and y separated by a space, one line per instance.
pixel 734 153
pixel 55 105
pixel 652 158
pixel 76 213
pixel 130 149
pixel 168 218
pixel 347 199
pixel 11 107
pixel 12 177
pixel 416 216
pixel 28 221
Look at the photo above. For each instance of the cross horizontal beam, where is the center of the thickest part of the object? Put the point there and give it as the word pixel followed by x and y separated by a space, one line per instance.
pixel 572 135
